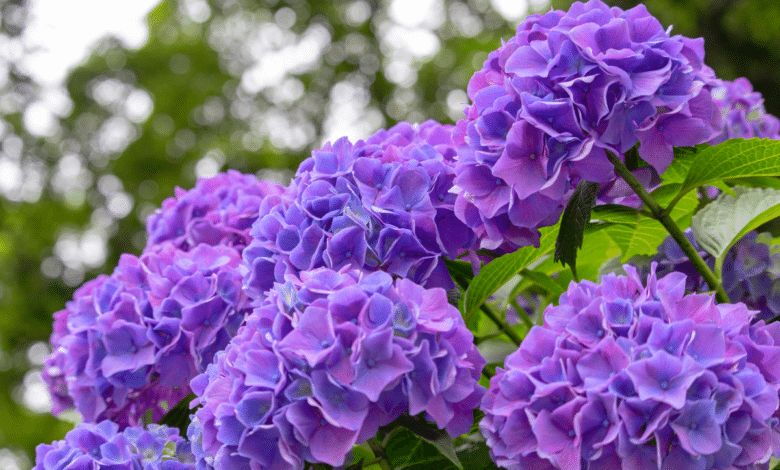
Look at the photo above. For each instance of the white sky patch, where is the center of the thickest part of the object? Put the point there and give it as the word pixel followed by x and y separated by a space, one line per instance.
pixel 61 33
pixel 428 14
pixel 514 10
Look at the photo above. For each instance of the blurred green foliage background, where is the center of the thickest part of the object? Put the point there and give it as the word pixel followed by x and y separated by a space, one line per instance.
pixel 248 85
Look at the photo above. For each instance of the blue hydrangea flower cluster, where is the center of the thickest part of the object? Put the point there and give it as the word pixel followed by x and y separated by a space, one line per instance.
pixel 565 88
pixel 219 210
pixel 102 446
pixel 627 376
pixel 383 203
pixel 751 270
pixel 326 360
pixel 130 342
pixel 742 112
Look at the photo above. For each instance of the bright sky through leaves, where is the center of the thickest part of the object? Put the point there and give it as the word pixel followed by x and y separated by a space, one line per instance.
pixel 64 32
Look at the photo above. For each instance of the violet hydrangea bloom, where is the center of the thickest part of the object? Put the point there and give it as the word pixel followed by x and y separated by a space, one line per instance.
pixel 383 203
pixel 218 211
pixel 742 112
pixel 566 88
pixel 623 375
pixel 130 342
pixel 101 445
pixel 751 270
pixel 324 361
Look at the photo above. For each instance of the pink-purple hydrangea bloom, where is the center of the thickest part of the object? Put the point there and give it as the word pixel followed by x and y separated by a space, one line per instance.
pixel 102 446
pixel 751 271
pixel 566 88
pixel 742 112
pixel 324 361
pixel 130 342
pixel 629 376
pixel 219 210
pixel 379 204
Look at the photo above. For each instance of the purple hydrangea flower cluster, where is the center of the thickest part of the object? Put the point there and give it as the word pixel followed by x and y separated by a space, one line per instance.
pixel 218 211
pixel 565 88
pixel 383 203
pixel 327 359
pixel 102 446
pixel 751 270
pixel 742 112
pixel 130 342
pixel 633 377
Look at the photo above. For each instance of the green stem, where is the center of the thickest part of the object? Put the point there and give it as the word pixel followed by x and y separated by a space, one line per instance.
pixel 661 215
pixel 501 325
pixel 379 453
pixel 480 339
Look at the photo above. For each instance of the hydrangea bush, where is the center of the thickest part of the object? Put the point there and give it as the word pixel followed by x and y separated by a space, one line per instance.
pixel 549 103
pixel 641 374
pixel 130 342
pixel 380 204
pixel 418 297
pixel 325 361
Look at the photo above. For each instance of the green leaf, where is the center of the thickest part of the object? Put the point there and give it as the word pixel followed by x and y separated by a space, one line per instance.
pixel 683 159
pixel 444 444
pixel 499 271
pixel 477 456
pixel 641 238
pixel 665 194
pixel 543 280
pixel 595 249
pixel 575 217
pixel 357 465
pixel 724 188
pixel 725 220
pixel 360 454
pixel 616 214
pixel 683 211
pixel 179 416
pixel 460 271
pixel 435 436
pixel 732 159
pixel 406 450
pixel 761 182
pixel 644 236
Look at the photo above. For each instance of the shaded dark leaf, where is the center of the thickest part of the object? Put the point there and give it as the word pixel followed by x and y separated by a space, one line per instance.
pixel 575 218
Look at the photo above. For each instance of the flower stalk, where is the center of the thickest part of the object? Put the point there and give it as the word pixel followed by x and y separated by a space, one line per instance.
pixel 661 215
pixel 501 324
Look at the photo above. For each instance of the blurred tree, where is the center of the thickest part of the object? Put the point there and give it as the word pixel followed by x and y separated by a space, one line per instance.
pixel 27 227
